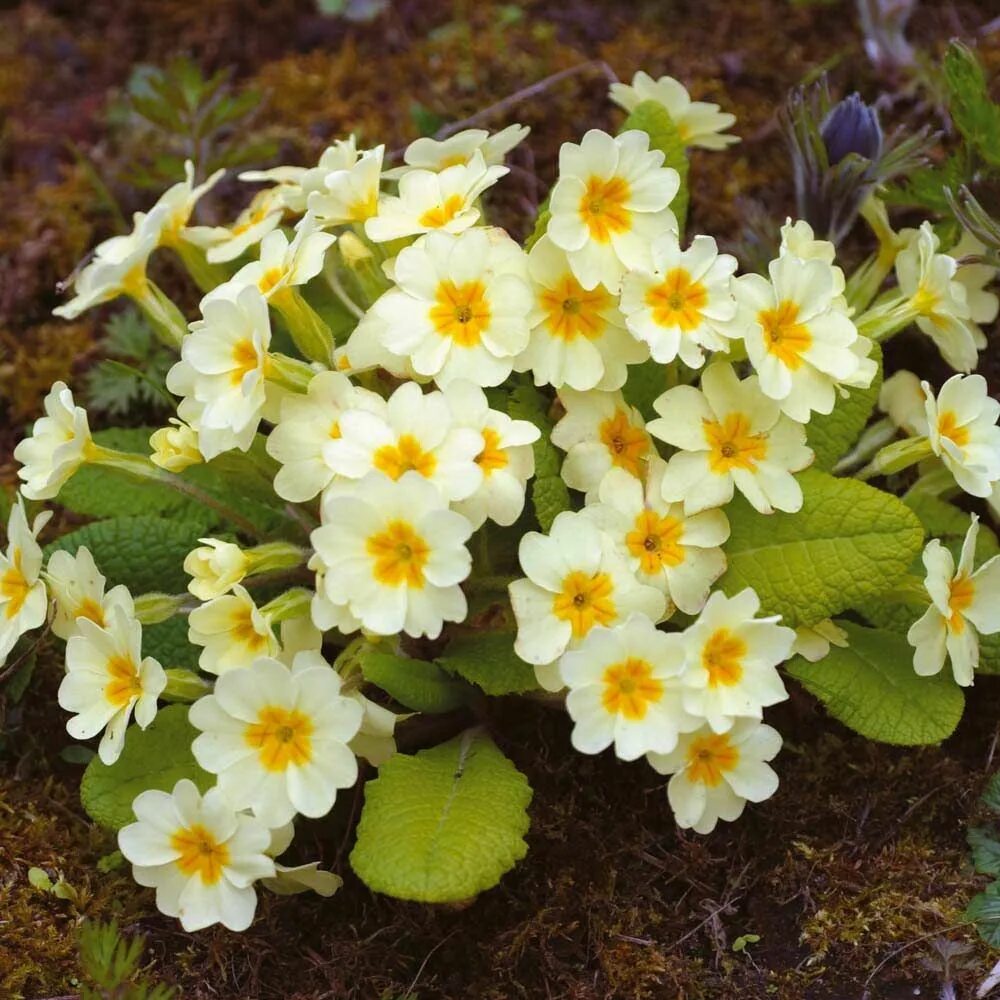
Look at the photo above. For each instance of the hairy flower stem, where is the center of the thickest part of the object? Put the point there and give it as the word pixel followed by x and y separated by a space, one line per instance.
pixel 895 457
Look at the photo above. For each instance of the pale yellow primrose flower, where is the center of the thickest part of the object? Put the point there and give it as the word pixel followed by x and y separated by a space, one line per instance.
pixel 578 337
pixel 277 737
pixel 59 444
pixel 106 678
pixel 215 567
pixel 610 202
pixel 963 431
pixel 175 447
pixel 684 305
pixel 730 436
pixel 716 774
pixel 426 153
pixel 226 243
pixel 698 123
pixel 23 597
pixel 964 603
pixel 76 587
pixel 233 631
pixel 349 194
pixel 904 401
pixel 200 855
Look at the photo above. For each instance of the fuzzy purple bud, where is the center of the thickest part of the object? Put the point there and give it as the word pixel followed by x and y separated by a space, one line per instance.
pixel 852 127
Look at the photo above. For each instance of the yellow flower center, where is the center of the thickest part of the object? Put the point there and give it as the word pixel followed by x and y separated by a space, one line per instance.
pixel 363 208
pixel 925 300
pixel 656 541
pixel 784 337
pixel 709 757
pixel 571 311
pixel 269 279
pixel 255 215
pixel 630 688
pixel 492 458
pixel 399 555
pixel 441 215
pixel 627 445
pixel 722 656
pixel 245 360
pixel 14 586
pixel 585 600
pixel 961 593
pixel 244 631
pixel 134 282
pixel 90 609
pixel 677 301
pixel 281 736
pixel 200 853
pixel 603 210
pixel 406 455
pixel 124 683
pixel 948 427
pixel 461 312
pixel 732 446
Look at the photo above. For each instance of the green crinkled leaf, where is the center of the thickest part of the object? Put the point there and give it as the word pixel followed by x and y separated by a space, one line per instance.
pixel 168 643
pixel 419 685
pixel 444 824
pixel 653 118
pixel 832 435
pixel 985 849
pixel 646 382
pixel 871 687
pixel 488 660
pixel 144 553
pixel 550 497
pixel 848 543
pixel 157 757
pixel 984 911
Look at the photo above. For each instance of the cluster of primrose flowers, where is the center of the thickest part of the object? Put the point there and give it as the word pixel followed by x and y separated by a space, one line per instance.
pixel 394 438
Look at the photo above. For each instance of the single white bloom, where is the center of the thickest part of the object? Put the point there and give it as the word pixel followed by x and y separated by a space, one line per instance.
pixel 290 880
pixel 394 555
pixel 118 266
pixel 233 631
pixel 609 203
pixel 224 362
pixel 178 203
pixel 225 243
pixel 730 436
pixel 460 306
pixel 578 336
pixel 426 153
pixel 283 263
pixel 698 123
pixel 799 240
pixel 903 399
pixel 716 774
pixel 413 432
pixel 296 184
pixel 683 305
pixel 678 554
pixel 58 445
pixel 364 350
pixel 929 279
pixel 308 423
pixel 76 587
pixel 625 688
pixel 963 431
pixel 575 579
pixel 277 737
pixel 106 679
pixel 600 431
pixel 429 200
pixel 215 567
pixel 731 660
pixel 798 339
pixel 199 853
pixel 813 642
pixel 983 305
pixel 175 447
pixel 964 603
pixel 23 597
pixel 350 194
pixel 507 459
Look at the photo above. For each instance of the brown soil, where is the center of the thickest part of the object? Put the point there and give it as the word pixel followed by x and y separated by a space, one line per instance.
pixel 852 876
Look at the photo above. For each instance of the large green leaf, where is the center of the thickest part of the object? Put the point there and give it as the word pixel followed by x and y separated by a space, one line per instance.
pixel 848 543
pixel 144 553
pixel 871 687
pixel 157 757
pixel 488 660
pixel 832 435
pixel 984 911
pixel 442 825
pixel 168 642
pixel 419 685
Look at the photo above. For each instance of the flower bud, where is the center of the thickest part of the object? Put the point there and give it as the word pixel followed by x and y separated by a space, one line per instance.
pixel 852 127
